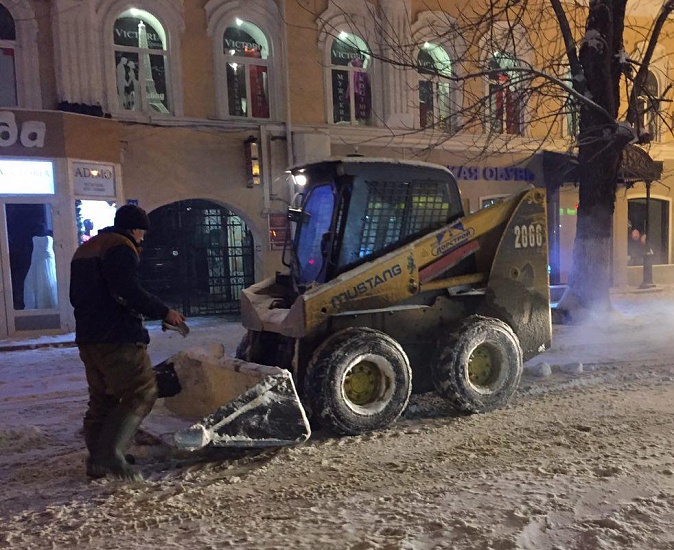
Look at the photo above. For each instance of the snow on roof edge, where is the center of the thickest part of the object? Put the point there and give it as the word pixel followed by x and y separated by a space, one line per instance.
pixel 371 160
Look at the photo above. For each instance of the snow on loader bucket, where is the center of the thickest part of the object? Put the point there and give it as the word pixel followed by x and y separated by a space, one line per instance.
pixel 212 399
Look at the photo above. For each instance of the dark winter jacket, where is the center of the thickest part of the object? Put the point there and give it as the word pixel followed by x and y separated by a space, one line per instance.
pixel 106 293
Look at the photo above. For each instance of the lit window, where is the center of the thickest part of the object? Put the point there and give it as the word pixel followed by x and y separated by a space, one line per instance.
pixel 246 52
pixel 351 92
pixel 435 89
pixel 505 95
pixel 141 63
pixel 8 93
pixel 649 107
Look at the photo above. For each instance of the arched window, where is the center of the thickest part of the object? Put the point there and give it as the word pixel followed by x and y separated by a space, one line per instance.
pixel 351 91
pixel 435 90
pixel 648 107
pixel 505 95
pixel 8 95
pixel 141 63
pixel 246 52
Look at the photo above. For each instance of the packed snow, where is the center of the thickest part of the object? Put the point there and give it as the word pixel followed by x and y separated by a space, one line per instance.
pixel 581 459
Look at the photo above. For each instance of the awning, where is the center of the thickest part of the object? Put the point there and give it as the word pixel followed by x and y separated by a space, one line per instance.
pixel 554 169
pixel 637 165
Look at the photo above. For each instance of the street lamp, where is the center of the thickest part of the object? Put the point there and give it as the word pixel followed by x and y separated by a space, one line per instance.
pixel 252 152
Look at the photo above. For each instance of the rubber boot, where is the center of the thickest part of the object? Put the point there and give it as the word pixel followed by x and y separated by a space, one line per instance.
pixel 116 434
pixel 91 441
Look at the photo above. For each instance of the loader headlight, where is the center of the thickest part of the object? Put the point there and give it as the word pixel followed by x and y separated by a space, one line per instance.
pixel 300 180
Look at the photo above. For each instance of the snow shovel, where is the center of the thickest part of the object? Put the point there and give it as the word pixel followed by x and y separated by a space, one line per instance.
pixel 237 403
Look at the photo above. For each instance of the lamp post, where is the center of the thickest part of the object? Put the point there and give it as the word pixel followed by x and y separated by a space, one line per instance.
pixel 647 281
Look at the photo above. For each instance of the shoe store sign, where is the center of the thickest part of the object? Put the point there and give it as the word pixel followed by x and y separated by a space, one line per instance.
pixel 93 179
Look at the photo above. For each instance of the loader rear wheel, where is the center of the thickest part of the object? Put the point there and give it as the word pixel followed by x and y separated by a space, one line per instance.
pixel 478 368
pixel 357 381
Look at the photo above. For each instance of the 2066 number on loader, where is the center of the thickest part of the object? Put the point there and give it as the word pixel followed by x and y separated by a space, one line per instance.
pixel 391 288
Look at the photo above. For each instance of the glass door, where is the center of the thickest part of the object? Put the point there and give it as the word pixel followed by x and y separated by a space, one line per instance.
pixel 4 289
pixel 28 267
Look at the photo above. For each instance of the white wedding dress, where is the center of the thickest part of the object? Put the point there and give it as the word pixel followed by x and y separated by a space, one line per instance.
pixel 39 287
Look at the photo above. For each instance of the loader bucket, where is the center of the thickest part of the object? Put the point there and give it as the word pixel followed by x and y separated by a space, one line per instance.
pixel 226 402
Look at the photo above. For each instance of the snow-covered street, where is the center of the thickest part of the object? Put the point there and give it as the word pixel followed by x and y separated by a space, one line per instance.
pixel 581 459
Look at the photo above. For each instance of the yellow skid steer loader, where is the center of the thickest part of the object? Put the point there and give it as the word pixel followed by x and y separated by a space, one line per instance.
pixel 391 288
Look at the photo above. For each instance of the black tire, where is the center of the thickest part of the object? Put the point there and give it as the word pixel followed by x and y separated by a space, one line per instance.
pixel 478 368
pixel 357 381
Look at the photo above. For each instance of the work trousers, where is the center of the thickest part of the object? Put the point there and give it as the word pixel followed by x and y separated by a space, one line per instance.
pixel 119 376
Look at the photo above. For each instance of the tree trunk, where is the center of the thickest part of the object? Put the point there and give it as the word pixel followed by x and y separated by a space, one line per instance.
pixel 600 144
pixel 590 278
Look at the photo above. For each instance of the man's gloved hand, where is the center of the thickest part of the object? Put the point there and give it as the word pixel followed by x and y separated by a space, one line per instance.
pixel 180 328
pixel 175 320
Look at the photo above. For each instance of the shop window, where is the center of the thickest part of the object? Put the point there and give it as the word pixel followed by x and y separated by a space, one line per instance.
pixel 485 202
pixel 8 95
pixel 648 107
pixel 351 92
pixel 435 89
pixel 246 52
pixel 505 95
pixel 91 216
pixel 141 63
pixel 648 229
pixel 31 256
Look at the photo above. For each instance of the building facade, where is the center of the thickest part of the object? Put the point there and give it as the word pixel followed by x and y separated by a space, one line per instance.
pixel 194 109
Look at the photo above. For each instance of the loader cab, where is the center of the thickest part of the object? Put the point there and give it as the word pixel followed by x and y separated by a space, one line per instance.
pixel 354 210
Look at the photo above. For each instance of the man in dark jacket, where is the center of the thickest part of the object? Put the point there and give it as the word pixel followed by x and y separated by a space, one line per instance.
pixel 109 304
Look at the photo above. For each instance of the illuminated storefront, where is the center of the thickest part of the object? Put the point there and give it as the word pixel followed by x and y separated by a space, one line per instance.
pixel 45 197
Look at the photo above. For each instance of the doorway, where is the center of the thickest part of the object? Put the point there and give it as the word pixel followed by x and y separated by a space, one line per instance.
pixel 197 257
pixel 28 268
pixel 648 229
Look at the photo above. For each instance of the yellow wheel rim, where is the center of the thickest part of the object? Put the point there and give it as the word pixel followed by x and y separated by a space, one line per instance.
pixel 362 383
pixel 482 369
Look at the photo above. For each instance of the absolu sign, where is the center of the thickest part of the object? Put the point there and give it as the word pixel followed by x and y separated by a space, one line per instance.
pixel 30 133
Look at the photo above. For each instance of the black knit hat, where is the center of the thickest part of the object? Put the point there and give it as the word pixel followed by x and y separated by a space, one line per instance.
pixel 131 216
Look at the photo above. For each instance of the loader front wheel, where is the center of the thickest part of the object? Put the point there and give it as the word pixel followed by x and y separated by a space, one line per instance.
pixel 479 366
pixel 357 381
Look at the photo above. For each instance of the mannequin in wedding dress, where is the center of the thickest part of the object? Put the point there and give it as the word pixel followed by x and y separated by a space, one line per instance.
pixel 39 288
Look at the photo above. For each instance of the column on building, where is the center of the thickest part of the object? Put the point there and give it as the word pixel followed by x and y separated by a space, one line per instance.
pixel 398 81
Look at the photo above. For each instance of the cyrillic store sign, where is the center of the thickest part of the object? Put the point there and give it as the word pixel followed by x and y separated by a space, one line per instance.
pixel 94 179
pixel 492 173
pixel 26 177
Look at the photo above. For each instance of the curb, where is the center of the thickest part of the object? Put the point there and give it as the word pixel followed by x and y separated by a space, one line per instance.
pixel 24 347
